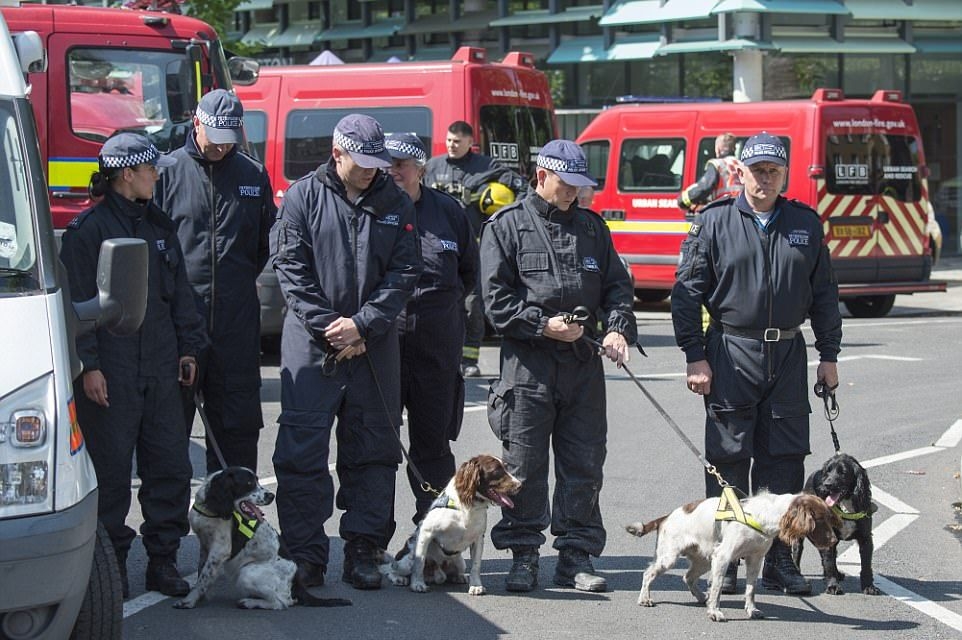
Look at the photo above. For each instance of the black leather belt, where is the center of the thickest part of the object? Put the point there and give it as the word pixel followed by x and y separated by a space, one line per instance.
pixel 772 334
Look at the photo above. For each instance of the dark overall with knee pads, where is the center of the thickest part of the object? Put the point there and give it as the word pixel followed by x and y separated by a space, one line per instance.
pixel 223 211
pixel 360 260
pixel 538 261
pixel 141 373
pixel 758 285
pixel 431 330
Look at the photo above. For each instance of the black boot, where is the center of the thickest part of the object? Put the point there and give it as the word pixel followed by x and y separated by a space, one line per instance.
pixel 311 575
pixel 122 567
pixel 162 575
pixel 360 564
pixel 524 571
pixel 575 570
pixel 729 583
pixel 780 572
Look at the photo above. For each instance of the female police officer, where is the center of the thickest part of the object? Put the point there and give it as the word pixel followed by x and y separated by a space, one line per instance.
pixel 128 397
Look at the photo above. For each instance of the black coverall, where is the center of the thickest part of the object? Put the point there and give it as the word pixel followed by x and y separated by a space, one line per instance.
pixel 431 329
pixel 141 374
pixel 360 260
pixel 223 212
pixel 752 279
pixel 462 177
pixel 536 262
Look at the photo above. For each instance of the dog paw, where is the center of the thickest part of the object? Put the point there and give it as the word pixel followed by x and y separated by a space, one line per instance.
pixel 701 597
pixel 834 590
pixel 645 602
pixel 476 590
pixel 755 614
pixel 715 615
pixel 398 581
pixel 419 587
pixel 186 603
pixel 872 590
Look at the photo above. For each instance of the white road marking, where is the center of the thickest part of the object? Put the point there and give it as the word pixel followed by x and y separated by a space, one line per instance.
pixel 914 600
pixel 951 437
pixel 891 502
pixel 897 457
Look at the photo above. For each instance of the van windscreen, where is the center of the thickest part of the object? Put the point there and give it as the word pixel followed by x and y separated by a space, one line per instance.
pixel 309 133
pixel 514 134
pixel 873 164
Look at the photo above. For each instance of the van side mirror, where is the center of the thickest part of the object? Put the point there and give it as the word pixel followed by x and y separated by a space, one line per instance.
pixel 121 302
pixel 243 71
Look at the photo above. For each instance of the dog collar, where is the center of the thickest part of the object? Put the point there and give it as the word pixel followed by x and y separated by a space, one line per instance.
pixel 247 527
pixel 443 501
pixel 730 510
pixel 204 511
pixel 847 515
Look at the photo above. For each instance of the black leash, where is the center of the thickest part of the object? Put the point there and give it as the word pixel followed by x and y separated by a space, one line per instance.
pixel 581 315
pixel 208 430
pixel 827 394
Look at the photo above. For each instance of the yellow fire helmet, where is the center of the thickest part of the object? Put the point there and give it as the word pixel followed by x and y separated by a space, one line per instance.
pixel 494 196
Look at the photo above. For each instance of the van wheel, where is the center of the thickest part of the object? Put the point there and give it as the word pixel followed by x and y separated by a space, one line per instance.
pixel 652 295
pixel 102 612
pixel 869 306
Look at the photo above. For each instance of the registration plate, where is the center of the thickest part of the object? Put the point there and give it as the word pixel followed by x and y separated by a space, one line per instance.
pixel 852 231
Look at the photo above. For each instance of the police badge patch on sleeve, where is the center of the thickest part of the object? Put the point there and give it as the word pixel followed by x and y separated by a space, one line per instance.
pixel 590 264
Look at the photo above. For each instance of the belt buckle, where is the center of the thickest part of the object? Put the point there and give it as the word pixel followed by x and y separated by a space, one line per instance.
pixel 773 334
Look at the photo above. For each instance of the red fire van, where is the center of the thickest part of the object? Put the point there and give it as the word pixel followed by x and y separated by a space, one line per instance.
pixel 859 163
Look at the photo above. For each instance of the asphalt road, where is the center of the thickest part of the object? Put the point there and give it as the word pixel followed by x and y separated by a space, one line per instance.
pixel 900 415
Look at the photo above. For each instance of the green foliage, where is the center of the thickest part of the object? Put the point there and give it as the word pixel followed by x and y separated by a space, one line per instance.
pixel 220 15
pixel 556 84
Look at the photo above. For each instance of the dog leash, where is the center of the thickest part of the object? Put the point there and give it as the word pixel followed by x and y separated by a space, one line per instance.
pixel 580 315
pixel 208 430
pixel 424 484
pixel 827 394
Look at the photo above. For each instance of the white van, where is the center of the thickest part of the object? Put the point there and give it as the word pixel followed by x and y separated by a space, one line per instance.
pixel 59 572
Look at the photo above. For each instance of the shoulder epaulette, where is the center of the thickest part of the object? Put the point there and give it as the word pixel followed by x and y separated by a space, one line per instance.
pixel 803 205
pixel 79 219
pixel 503 210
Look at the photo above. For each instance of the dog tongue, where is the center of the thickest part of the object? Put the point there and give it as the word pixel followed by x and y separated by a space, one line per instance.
pixel 250 510
pixel 501 499
pixel 831 500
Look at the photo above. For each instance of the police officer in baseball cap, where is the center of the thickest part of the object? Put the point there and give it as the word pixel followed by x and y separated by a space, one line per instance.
pixel 541 257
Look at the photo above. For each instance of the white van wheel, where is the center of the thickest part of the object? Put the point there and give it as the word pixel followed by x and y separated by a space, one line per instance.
pixel 102 612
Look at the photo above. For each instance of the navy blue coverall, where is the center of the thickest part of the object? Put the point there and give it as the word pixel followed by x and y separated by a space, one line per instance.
pixel 431 329
pixel 141 375
pixel 536 262
pixel 336 258
pixel 223 211
pixel 751 279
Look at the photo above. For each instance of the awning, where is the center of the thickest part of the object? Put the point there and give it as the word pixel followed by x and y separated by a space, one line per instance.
pixel 592 49
pixel 938 45
pixel 710 46
pixel 357 31
pixel 919 10
pixel 299 34
pixel 262 34
pixel 825 44
pixel 542 16
pixel 649 11
pixel 441 23
pixel 254 5
pixel 811 7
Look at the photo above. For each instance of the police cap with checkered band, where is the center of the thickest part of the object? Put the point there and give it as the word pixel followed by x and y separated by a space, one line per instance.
pixel 403 146
pixel 764 147
pixel 129 150
pixel 222 115
pixel 566 159
pixel 363 138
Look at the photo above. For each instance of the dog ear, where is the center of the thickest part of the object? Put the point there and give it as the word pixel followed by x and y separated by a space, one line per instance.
pixel 219 497
pixel 862 494
pixel 797 522
pixel 467 479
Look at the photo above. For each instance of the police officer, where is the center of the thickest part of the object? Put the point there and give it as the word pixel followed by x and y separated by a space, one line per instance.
pixel 759 265
pixel 540 258
pixel 346 256
pixel 720 178
pixel 432 325
pixel 463 173
pixel 128 397
pixel 222 203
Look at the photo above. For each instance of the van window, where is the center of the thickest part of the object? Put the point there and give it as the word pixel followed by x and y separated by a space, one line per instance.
pixel 596 151
pixel 706 151
pixel 873 164
pixel 18 254
pixel 309 133
pixel 144 91
pixel 651 164
pixel 255 130
pixel 514 134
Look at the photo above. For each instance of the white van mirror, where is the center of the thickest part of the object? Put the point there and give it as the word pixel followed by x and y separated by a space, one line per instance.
pixel 122 285
pixel 30 51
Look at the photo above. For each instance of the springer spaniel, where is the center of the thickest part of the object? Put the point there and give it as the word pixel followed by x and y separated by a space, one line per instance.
pixel 844 485
pixel 692 531
pixel 457 520
pixel 235 538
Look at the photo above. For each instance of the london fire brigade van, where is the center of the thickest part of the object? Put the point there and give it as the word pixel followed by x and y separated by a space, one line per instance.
pixel 290 113
pixel 859 163
pixel 58 570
